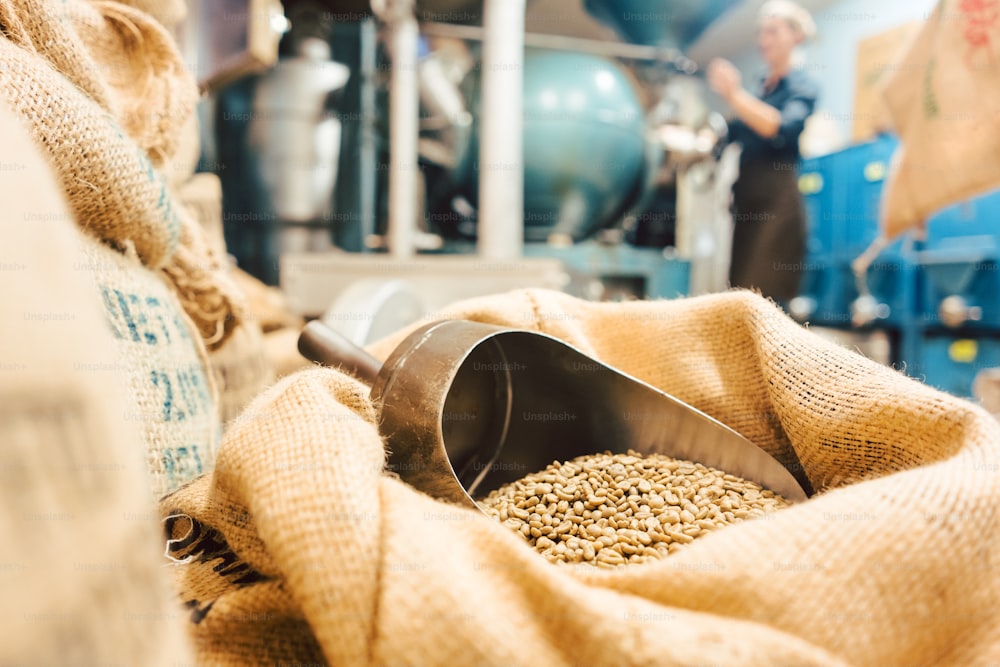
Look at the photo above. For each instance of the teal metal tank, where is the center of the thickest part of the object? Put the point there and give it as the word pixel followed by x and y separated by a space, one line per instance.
pixel 586 151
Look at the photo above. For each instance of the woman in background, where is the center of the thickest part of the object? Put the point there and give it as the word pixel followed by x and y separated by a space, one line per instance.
pixel 769 232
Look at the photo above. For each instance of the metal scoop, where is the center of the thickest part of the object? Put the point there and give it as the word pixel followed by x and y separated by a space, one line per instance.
pixel 467 407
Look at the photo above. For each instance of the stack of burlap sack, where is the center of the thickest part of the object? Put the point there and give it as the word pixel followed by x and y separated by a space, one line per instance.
pixel 295 547
pixel 129 344
pixel 102 89
pixel 81 569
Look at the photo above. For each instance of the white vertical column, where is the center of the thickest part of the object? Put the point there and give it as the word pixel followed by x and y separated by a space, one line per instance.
pixel 501 165
pixel 404 118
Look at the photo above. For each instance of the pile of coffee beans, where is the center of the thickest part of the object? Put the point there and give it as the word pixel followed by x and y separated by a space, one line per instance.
pixel 612 509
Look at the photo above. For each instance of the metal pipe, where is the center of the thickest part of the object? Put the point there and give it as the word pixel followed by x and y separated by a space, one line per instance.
pixel 368 148
pixel 596 47
pixel 501 164
pixel 404 118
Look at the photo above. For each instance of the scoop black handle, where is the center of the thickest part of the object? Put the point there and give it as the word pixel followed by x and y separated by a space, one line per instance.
pixel 319 343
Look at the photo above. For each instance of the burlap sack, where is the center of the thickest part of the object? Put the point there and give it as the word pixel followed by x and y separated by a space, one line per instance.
pixel 282 349
pixel 103 90
pixel 267 304
pixel 241 369
pixel 241 366
pixel 175 400
pixel 81 577
pixel 300 548
pixel 944 99
pixel 201 194
pixel 268 307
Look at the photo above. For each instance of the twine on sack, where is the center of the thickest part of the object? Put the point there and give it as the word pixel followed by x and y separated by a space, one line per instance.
pixel 85 77
pixel 12 28
pixel 206 292
pixel 149 68
pixel 172 543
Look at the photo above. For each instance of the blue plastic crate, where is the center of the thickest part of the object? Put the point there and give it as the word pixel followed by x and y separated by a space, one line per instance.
pixel 816 185
pixel 860 176
pixel 961 257
pixel 841 193
pixel 951 363
pixel 893 281
pixel 834 294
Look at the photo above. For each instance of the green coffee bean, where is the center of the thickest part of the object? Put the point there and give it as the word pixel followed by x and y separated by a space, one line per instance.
pixel 608 510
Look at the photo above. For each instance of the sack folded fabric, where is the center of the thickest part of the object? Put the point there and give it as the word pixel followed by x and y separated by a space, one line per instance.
pixel 104 94
pixel 300 548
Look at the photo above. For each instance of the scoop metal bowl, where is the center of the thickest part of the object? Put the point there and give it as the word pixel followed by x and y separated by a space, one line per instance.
pixel 467 407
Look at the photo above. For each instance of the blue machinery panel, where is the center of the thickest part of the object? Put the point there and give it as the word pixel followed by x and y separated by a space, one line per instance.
pixel 937 297
pixel 951 363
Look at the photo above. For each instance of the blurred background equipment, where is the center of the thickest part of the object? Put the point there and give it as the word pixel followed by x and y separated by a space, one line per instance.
pixel 573 188
pixel 613 180
pixel 622 178
pixel 298 140
pixel 932 298
pixel 674 25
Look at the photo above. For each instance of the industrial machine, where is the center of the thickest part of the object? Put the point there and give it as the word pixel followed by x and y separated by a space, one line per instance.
pixel 625 183
pixel 960 280
pixel 931 298
pixel 587 153
pixel 842 191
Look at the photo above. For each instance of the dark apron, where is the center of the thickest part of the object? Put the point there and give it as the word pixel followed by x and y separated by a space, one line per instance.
pixel 769 230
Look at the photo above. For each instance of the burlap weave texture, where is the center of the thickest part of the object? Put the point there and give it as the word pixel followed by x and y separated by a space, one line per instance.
pixel 894 562
pixel 103 90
